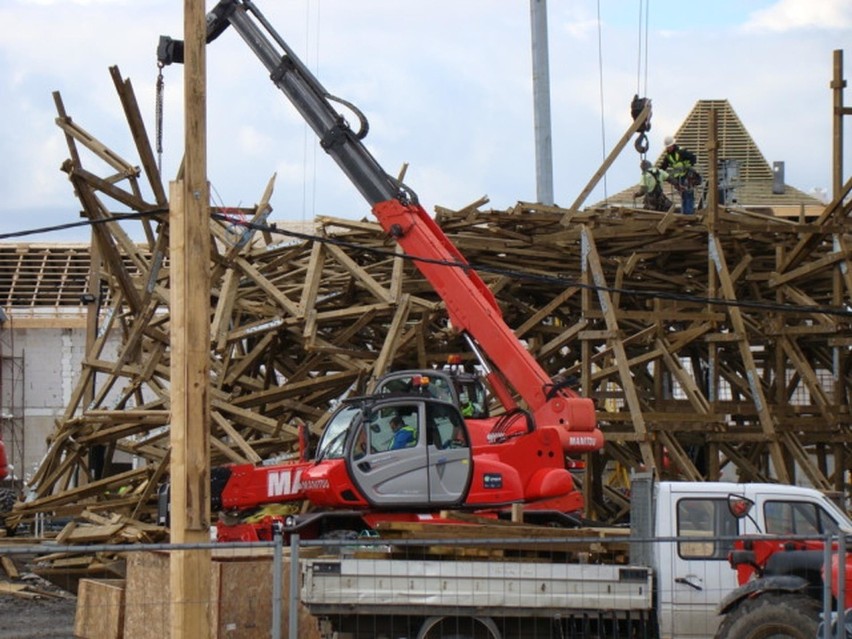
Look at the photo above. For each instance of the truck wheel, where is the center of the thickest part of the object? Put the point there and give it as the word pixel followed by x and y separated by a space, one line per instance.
pixel 459 628
pixel 772 616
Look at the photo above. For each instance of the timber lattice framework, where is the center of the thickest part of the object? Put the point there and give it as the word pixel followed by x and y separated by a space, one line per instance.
pixel 713 344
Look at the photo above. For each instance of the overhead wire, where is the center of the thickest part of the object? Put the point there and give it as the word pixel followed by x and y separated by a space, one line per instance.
pixel 647 30
pixel 564 282
pixel 642 65
pixel 601 89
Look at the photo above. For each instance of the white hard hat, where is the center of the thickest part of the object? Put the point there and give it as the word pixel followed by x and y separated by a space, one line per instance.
pixel 668 141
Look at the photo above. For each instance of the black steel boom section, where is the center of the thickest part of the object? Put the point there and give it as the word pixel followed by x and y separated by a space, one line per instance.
pixel 306 93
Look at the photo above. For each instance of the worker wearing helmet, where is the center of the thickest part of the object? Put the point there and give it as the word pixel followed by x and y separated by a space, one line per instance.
pixel 679 163
pixel 651 186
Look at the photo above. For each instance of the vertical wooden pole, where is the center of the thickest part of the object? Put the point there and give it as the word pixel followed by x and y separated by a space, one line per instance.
pixel 712 203
pixel 837 86
pixel 189 244
pixel 711 219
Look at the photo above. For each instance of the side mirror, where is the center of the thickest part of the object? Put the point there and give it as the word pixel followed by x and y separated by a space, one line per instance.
pixel 739 506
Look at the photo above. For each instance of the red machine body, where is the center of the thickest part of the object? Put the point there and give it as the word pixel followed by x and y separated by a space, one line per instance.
pixel 756 558
pixel 4 462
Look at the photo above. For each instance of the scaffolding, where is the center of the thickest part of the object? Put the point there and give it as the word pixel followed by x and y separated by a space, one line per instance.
pixel 12 400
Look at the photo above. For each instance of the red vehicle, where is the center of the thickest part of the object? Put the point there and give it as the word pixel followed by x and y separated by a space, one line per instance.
pixel 4 463
pixel 782 581
pixel 516 457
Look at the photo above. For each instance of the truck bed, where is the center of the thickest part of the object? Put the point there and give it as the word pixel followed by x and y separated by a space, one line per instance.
pixel 393 586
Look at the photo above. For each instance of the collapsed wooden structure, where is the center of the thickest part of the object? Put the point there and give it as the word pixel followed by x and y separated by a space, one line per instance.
pixel 715 344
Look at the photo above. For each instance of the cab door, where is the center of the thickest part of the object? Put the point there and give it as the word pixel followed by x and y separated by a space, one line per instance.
pixel 449 457
pixel 693 569
pixel 384 475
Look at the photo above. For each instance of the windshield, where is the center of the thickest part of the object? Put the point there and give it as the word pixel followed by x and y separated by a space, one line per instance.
pixel 334 437
pixel 420 383
pixel 472 399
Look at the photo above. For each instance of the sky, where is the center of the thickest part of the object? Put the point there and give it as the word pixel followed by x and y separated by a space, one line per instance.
pixel 446 87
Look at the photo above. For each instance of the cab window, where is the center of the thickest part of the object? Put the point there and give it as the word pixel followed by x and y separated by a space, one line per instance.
pixel 472 400
pixel 390 428
pixel 705 528
pixel 797 518
pixel 446 428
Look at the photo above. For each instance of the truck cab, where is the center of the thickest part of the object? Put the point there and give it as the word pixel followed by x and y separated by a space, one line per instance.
pixel 694 576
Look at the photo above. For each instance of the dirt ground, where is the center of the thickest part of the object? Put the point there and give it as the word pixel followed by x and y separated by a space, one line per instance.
pixel 41 618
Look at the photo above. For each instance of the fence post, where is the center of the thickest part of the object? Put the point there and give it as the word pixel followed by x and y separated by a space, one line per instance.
pixel 277 569
pixel 826 588
pixel 294 586
pixel 841 584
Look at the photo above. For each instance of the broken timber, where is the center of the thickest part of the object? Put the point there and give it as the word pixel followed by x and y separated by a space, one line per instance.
pixel 708 350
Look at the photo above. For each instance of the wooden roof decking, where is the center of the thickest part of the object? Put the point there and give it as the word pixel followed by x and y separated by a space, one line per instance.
pixel 756 177
pixel 43 275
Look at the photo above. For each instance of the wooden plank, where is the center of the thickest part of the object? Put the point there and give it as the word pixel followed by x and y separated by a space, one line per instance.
pixel 100 609
pixel 9 567
pixel 389 346
pixel 249 453
pixel 716 252
pixel 625 376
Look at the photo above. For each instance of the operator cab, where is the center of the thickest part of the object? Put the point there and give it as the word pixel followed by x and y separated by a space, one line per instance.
pixel 462 389
pixel 392 450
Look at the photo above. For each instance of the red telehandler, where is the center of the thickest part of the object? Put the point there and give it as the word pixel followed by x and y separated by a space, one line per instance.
pixel 358 477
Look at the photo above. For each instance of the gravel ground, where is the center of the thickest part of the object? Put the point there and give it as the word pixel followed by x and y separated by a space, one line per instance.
pixel 41 618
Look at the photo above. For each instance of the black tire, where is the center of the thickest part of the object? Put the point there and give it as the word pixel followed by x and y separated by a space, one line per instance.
pixel 458 628
pixel 772 616
pixel 8 497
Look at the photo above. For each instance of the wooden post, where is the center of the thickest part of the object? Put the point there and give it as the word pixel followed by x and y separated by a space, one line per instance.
pixel 712 177
pixel 837 86
pixel 190 350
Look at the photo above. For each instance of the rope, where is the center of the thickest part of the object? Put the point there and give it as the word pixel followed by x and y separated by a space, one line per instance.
pixel 641 143
pixel 639 51
pixel 159 116
pixel 647 17
pixel 600 78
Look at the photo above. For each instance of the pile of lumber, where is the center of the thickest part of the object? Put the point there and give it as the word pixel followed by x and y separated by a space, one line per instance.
pixel 711 343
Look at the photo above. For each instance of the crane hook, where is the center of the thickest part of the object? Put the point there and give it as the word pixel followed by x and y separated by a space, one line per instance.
pixel 637 106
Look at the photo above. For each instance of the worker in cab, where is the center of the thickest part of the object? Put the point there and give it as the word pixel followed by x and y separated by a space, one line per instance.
pixel 403 434
pixel 651 187
pixel 467 407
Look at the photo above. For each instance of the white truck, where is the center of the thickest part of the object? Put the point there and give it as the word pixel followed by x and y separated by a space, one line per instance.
pixel 677 575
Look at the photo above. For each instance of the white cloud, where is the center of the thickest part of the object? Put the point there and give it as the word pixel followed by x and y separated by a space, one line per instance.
pixel 446 86
pixel 793 15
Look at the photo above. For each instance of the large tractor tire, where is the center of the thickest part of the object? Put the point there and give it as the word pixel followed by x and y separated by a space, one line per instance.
pixel 772 616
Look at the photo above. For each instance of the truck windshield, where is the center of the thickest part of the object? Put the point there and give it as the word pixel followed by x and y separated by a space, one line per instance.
pixel 333 439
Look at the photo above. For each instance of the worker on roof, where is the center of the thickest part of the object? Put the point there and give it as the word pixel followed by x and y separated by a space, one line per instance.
pixel 680 165
pixel 651 186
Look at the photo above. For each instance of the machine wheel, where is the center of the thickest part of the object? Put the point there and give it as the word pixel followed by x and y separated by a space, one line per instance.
pixel 8 497
pixel 772 616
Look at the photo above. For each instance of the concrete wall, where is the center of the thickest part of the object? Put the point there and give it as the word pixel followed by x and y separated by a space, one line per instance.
pixel 41 368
